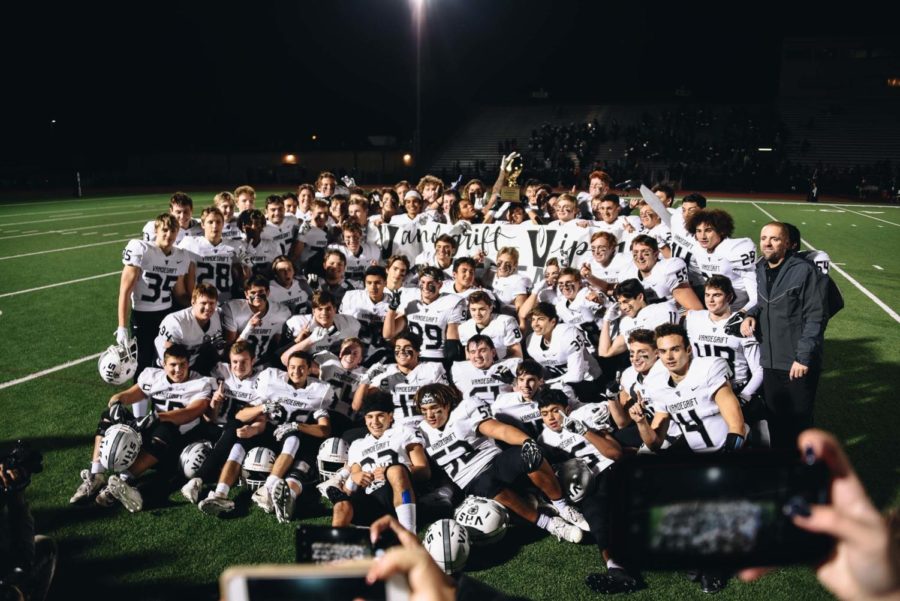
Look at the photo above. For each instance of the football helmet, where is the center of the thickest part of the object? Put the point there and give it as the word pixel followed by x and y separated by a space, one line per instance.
pixel 193 456
pixel 119 447
pixel 257 466
pixel 485 519
pixel 574 478
pixel 118 363
pixel 448 544
pixel 332 457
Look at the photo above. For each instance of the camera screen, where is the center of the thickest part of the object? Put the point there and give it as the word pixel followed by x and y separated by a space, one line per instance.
pixel 710 527
pixel 326 551
pixel 322 589
pixel 323 544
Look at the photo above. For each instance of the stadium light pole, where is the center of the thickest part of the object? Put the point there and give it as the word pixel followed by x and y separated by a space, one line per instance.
pixel 418 9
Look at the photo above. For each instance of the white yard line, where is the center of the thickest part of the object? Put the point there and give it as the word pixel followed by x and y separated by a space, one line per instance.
pixel 748 201
pixel 132 212
pixel 891 313
pixel 80 211
pixel 69 230
pixel 93 277
pixel 878 267
pixel 44 372
pixel 870 217
pixel 59 250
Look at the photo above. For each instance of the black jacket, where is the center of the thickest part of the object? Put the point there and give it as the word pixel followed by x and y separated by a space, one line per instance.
pixel 790 320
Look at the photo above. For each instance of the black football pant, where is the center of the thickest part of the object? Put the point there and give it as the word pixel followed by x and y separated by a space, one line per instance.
pixel 790 404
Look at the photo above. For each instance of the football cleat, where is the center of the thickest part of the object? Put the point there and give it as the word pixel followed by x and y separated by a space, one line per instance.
pixel 563 530
pixel 105 498
pixel 335 481
pixel 283 501
pixel 191 490
pixel 216 505
pixel 263 499
pixel 128 495
pixel 573 516
pixel 711 582
pixel 90 485
pixel 614 581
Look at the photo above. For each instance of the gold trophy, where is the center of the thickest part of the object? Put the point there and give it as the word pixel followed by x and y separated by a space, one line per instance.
pixel 513 166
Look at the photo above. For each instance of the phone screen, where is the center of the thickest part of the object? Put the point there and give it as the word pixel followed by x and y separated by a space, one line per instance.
pixel 323 544
pixel 696 511
pixel 319 588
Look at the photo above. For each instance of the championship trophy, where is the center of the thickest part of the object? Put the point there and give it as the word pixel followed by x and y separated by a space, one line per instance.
pixel 513 169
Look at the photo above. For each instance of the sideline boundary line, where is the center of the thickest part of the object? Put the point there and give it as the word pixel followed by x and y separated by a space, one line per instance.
pixel 132 212
pixel 891 313
pixel 72 229
pixel 868 216
pixel 44 372
pixel 59 250
pixel 93 277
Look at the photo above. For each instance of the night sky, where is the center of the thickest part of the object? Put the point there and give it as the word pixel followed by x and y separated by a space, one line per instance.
pixel 268 74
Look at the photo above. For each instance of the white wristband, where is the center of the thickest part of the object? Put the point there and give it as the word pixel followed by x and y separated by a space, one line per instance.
pixel 351 485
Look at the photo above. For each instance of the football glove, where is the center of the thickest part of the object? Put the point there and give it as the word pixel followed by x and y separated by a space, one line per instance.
pixel 284 429
pixel 313 280
pixel 532 456
pixel 503 374
pixel 270 407
pixel 613 313
pixel 375 371
pixel 148 421
pixel 122 337
pixel 575 426
pixel 394 302
pixel 118 414
pixel 318 334
pixel 733 442
pixel 304 228
pixel 733 325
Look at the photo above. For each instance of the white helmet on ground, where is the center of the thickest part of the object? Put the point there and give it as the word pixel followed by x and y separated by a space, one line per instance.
pixel 485 519
pixel 257 467
pixel 448 544
pixel 119 447
pixel 574 479
pixel 332 457
pixel 193 456
pixel 118 363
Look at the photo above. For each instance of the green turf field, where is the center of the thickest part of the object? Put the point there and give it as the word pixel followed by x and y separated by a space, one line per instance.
pixel 171 550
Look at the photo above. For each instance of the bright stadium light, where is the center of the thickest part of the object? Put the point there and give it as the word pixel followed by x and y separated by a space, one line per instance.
pixel 290 159
pixel 764 149
pixel 407 159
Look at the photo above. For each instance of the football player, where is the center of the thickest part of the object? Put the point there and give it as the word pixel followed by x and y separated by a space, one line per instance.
pixel 413 206
pixel 257 252
pixel 460 436
pixel 583 435
pixel 296 405
pixel 667 278
pixel 579 305
pixel 344 374
pixel 217 262
pixel 152 275
pixel 358 254
pixel 313 235
pixel 369 307
pixel 636 313
pixel 502 329
pixel 464 281
pixel 509 286
pixel 281 227
pixel 434 318
pixel 306 194
pixel 518 408
pixel 321 331
pixel 383 467
pixel 601 269
pixel 256 320
pixel 401 379
pixel 611 221
pixel 652 225
pixel 683 242
pixel 482 377
pixel 245 199
pixel 181 206
pixel 334 267
pixel 291 203
pixel 198 328
pixel 286 288
pixel 719 253
pixel 441 257
pixel 178 397
pixel 224 201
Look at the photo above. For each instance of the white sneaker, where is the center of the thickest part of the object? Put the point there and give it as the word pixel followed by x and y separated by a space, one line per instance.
pixel 335 481
pixel 215 505
pixel 263 499
pixel 191 490
pixel 283 501
pixel 573 516
pixel 105 498
pixel 563 530
pixel 90 485
pixel 128 495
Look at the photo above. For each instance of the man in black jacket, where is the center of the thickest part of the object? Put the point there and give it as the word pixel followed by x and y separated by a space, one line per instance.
pixel 789 322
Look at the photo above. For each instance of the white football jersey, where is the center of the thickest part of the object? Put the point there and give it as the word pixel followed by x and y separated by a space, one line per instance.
pixel 301 405
pixel 691 403
pixel 633 383
pixel 684 246
pixel 214 263
pixel 343 382
pixel 819 258
pixel 232 233
pixel 295 297
pixel 149 231
pixel 357 264
pixel 708 339
pixel 610 273
pixel 181 327
pixel 523 413
pixel 314 242
pixel 430 322
pixel 579 311
pixel 166 395
pixel 236 315
pixel 390 449
pixel 344 327
pixel 370 316
pixel 402 388
pixel 616 228
pixel 660 232
pixel 665 276
pixel 569 355
pixel 503 330
pixel 648 318
pixel 459 448
pixel 238 393
pixel 159 274
pixel 507 289
pixel 735 258
pixel 260 256
pixel 482 384
pixel 283 233
pixel 576 445
pixel 428 258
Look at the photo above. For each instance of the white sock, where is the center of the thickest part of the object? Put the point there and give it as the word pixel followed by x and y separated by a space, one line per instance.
pixel 543 520
pixel 560 503
pixel 406 515
pixel 222 489
pixel 271 481
pixel 96 468
pixel 610 564
pixel 126 476
pixel 295 492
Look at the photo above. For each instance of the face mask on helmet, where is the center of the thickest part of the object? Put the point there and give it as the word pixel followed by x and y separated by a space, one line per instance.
pixel 118 364
pixel 332 457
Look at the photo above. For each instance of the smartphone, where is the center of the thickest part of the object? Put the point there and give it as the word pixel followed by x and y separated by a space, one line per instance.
pixel 722 510
pixel 323 583
pixel 322 544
